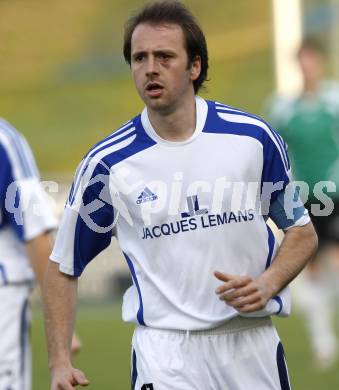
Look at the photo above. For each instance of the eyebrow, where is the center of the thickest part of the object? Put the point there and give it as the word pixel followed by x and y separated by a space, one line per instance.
pixel 158 51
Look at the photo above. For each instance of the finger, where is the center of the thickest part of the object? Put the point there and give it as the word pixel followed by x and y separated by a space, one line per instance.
pixel 239 293
pixel 239 282
pixel 76 346
pixel 241 302
pixel 252 307
pixel 222 276
pixel 229 286
pixel 80 378
pixel 63 386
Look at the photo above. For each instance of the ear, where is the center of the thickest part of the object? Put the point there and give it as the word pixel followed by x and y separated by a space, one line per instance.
pixel 195 68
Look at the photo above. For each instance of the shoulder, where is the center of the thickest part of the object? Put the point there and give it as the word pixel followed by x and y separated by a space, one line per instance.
pixel 227 112
pixel 239 122
pixel 115 141
pixel 8 133
pixel 121 144
pixel 329 93
pixel 15 147
pixel 11 138
pixel 233 120
pixel 279 109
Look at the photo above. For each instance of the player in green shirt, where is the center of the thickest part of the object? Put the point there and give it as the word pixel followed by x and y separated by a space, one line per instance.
pixel 309 124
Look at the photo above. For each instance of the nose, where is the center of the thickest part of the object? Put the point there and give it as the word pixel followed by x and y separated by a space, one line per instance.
pixel 151 67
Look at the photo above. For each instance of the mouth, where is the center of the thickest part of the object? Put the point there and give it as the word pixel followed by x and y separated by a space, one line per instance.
pixel 154 89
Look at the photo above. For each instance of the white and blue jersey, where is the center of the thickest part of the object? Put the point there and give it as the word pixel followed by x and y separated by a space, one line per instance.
pixel 24 211
pixel 181 210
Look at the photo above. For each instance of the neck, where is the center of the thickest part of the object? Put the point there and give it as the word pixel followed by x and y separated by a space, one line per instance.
pixel 175 125
pixel 311 86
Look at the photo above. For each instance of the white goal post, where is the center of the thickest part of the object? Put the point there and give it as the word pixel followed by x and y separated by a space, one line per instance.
pixel 287 21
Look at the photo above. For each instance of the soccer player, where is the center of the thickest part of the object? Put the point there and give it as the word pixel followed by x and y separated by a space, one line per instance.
pixel 25 245
pixel 179 187
pixel 309 123
pixel 26 222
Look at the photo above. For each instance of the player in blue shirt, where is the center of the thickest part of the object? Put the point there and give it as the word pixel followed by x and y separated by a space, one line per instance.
pixel 186 187
pixel 25 245
pixel 26 221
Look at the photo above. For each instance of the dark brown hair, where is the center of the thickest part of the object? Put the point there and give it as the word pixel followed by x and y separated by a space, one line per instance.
pixel 313 44
pixel 172 12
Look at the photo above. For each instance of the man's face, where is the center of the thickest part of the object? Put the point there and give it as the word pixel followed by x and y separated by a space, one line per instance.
pixel 312 65
pixel 159 65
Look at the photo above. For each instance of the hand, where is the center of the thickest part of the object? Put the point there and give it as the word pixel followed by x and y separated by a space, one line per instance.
pixel 76 345
pixel 67 378
pixel 243 293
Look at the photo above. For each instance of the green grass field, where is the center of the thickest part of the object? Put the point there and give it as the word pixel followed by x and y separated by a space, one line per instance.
pixel 106 352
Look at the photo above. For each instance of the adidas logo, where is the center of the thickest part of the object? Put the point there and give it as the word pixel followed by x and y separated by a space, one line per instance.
pixel 146 196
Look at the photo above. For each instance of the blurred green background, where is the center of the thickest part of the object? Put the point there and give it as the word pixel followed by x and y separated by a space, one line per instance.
pixel 64 84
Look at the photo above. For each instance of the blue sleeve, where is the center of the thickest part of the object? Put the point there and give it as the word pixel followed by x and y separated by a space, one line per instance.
pixel 280 199
pixel 93 233
pixel 24 205
pixel 276 169
pixel 10 196
pixel 87 225
pixel 287 209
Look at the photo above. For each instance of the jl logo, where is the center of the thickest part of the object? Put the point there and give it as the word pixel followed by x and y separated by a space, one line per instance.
pixel 148 386
pixel 193 207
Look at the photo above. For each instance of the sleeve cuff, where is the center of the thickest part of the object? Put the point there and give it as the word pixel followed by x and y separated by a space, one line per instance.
pixel 64 268
pixel 304 220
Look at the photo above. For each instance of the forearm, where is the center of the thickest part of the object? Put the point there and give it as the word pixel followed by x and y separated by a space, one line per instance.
pixel 59 296
pixel 39 250
pixel 247 294
pixel 297 248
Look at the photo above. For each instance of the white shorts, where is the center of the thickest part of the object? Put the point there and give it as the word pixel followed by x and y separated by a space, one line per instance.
pixel 15 354
pixel 244 354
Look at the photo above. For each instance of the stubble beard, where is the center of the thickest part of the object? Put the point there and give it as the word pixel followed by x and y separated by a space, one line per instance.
pixel 160 105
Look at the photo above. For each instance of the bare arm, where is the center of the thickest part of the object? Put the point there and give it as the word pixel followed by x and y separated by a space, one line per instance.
pixel 60 296
pixel 38 250
pixel 248 294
